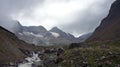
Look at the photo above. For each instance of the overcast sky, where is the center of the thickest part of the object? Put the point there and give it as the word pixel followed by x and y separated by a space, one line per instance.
pixel 73 16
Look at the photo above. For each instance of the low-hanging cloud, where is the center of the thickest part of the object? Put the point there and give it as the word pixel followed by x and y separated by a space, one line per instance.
pixel 73 16
pixel 13 7
pixel 90 18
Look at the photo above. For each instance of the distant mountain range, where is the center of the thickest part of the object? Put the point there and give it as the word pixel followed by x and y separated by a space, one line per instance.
pixel 38 35
pixel 109 28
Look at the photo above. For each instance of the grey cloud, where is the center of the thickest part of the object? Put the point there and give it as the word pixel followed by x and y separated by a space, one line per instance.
pixel 9 7
pixel 88 19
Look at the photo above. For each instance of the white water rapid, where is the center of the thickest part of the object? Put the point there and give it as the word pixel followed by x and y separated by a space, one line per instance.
pixel 31 61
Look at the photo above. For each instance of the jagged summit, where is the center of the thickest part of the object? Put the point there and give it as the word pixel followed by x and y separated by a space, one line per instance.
pixel 56 29
pixel 38 35
pixel 35 29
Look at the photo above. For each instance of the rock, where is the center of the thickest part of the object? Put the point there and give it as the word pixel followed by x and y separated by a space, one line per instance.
pixel 117 65
pixel 108 63
pixel 110 53
pixel 48 61
pixel 100 65
pixel 48 50
pixel 85 64
pixel 103 57
pixel 60 51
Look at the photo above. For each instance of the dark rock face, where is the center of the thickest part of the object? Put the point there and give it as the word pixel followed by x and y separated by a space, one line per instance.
pixel 109 28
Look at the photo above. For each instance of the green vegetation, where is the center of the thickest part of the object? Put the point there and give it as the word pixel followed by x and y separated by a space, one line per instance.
pixel 105 54
pixel 2 50
pixel 92 57
pixel 97 54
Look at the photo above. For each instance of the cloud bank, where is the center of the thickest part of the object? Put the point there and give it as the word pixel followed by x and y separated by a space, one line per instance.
pixel 73 16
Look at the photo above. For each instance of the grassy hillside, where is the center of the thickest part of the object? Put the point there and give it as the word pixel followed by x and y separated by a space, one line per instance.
pixel 96 54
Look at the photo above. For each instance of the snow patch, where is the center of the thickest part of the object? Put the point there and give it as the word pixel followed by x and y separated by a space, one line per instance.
pixel 20 33
pixel 55 34
pixel 30 33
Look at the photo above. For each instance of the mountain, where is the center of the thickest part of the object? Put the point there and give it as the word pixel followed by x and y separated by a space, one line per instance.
pixel 58 31
pixel 17 27
pixel 84 37
pixel 38 35
pixel 11 25
pixel 109 28
pixel 35 29
pixel 62 34
pixel 10 47
pixel 61 37
pixel 33 35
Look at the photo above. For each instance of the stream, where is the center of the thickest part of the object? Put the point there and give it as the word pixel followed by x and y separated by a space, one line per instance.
pixel 48 57
pixel 31 61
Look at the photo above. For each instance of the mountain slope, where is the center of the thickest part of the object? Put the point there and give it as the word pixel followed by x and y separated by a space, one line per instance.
pixel 33 35
pixel 35 29
pixel 84 37
pixel 38 35
pixel 109 28
pixel 11 25
pixel 64 35
pixel 9 47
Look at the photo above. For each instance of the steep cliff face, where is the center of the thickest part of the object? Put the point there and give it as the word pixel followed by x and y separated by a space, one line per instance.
pixel 109 28
pixel 9 47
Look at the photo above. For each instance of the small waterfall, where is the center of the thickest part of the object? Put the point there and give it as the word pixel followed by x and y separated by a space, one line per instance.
pixel 31 61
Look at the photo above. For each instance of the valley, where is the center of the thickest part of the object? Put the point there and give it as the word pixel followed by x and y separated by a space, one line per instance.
pixel 35 46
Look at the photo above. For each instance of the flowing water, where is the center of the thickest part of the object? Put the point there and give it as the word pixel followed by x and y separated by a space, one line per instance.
pixel 31 61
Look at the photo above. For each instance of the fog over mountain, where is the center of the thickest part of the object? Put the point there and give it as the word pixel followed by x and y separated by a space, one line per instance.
pixel 38 35
pixel 73 16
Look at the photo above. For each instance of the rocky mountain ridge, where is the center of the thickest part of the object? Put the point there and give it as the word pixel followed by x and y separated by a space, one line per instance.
pixel 38 35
